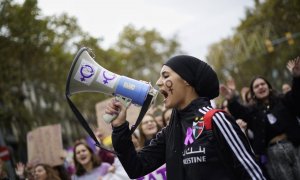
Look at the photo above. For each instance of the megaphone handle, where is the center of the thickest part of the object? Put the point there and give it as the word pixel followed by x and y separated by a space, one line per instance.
pixel 108 118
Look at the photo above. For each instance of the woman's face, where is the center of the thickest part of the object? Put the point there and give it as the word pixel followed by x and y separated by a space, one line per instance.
pixel 149 126
pixel 261 89
pixel 172 87
pixel 83 155
pixel 40 173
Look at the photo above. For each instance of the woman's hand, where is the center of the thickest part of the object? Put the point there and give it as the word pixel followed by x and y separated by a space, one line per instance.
pixel 226 92
pixel 231 84
pixel 118 108
pixel 242 124
pixel 294 66
pixel 20 169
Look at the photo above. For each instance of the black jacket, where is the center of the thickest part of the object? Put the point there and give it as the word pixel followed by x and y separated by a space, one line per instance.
pixel 230 156
pixel 284 108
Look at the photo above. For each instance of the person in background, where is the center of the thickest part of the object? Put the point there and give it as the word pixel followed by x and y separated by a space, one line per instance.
pixel 147 129
pixel 189 149
pixel 45 172
pixel 224 105
pixel 20 170
pixel 272 118
pixel 88 165
pixel 243 94
pixel 136 141
pixel 156 111
pixel 3 173
pixel 62 172
pixel 24 171
pixel 248 99
pixel 166 116
pixel 105 156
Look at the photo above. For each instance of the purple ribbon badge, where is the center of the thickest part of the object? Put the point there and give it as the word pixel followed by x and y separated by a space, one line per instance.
pixel 189 138
pixel 86 71
pixel 106 79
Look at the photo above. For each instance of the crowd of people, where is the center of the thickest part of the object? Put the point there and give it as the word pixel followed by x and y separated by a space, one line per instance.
pixel 256 136
pixel 89 162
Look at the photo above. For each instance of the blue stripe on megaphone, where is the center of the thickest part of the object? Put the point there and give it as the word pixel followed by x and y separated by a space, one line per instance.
pixel 135 90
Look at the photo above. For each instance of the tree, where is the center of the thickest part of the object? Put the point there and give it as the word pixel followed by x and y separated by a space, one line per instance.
pixel 144 51
pixel 34 65
pixel 244 55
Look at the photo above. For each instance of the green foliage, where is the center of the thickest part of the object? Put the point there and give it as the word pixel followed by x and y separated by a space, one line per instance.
pixel 143 52
pixel 244 55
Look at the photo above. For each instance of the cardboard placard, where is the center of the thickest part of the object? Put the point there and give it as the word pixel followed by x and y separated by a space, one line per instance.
pixel 132 115
pixel 44 145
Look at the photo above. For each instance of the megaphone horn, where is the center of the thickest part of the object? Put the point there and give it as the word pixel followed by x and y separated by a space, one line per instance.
pixel 87 76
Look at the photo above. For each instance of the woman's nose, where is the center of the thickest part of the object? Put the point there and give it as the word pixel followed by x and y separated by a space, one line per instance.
pixel 159 82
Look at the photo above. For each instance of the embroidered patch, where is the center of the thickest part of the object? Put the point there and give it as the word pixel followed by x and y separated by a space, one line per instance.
pixel 198 127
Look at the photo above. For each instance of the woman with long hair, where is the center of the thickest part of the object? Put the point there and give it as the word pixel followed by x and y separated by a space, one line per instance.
pixel 88 165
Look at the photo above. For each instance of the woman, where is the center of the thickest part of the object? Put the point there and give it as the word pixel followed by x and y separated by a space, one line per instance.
pixel 87 164
pixel 3 173
pixel 187 84
pixel 272 118
pixel 148 129
pixel 45 172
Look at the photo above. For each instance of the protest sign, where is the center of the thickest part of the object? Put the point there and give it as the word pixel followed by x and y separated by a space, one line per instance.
pixel 44 145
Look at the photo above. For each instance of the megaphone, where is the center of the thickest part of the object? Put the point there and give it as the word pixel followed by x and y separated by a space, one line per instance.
pixel 88 76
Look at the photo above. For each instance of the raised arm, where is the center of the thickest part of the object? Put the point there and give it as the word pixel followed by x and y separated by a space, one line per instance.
pixel 237 110
pixel 292 98
pixel 294 67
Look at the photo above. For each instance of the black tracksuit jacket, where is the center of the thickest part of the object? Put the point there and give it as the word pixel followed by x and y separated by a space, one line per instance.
pixel 222 153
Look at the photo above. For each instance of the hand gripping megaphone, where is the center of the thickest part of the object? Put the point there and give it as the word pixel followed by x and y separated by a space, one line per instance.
pixel 86 75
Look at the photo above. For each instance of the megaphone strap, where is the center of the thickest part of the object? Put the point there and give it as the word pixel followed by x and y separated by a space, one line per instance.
pixel 85 125
pixel 143 111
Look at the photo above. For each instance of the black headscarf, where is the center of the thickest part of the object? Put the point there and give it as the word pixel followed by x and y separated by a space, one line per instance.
pixel 197 73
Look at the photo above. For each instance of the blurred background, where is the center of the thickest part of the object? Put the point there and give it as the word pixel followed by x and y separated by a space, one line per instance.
pixel 36 52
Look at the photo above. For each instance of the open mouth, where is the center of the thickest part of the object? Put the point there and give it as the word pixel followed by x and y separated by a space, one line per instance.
pixel 165 94
pixel 83 158
pixel 262 91
pixel 151 128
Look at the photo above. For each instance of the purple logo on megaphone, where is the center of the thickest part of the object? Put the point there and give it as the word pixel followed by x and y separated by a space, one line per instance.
pixel 107 78
pixel 86 71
